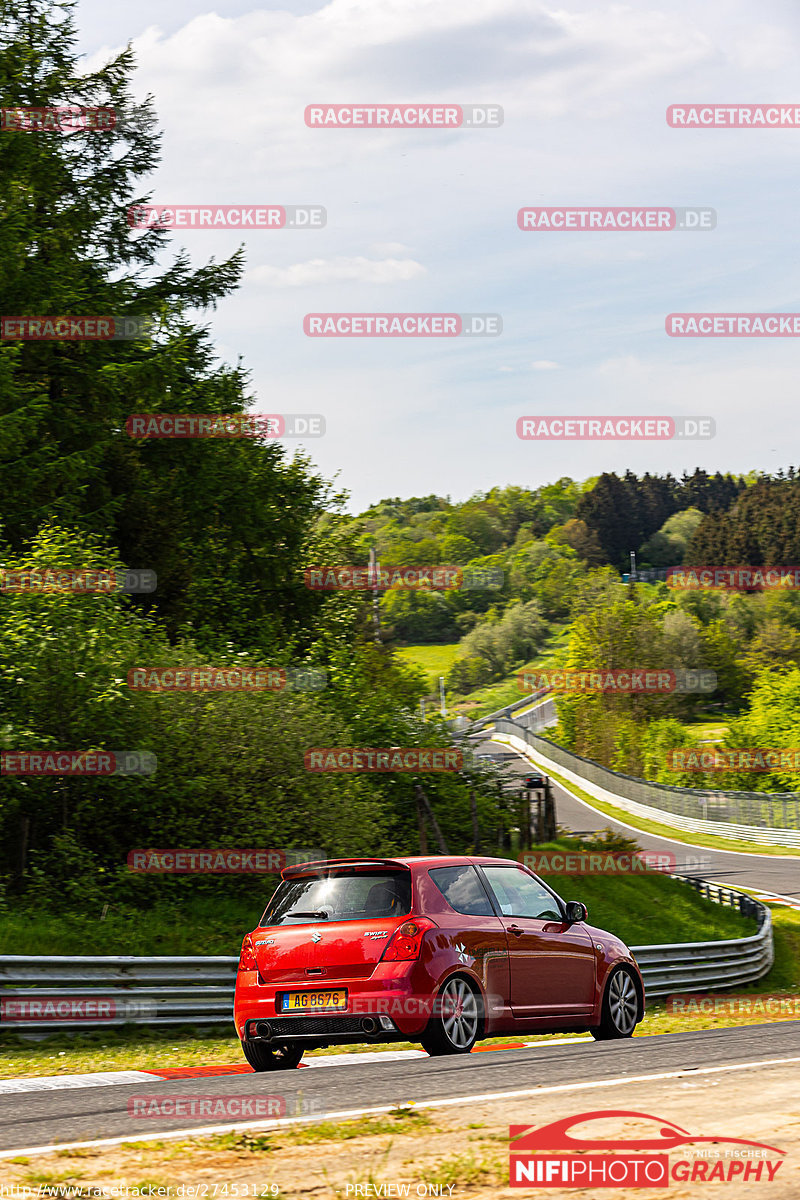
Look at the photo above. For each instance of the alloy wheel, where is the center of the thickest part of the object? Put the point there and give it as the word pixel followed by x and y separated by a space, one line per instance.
pixel 459 1013
pixel 623 1002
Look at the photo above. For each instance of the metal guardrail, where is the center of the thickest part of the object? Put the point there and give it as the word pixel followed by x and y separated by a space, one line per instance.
pixel 769 818
pixel 199 991
pixel 707 966
pixel 513 712
pixel 112 990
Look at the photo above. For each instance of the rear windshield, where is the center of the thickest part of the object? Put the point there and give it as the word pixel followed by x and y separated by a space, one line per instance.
pixel 351 897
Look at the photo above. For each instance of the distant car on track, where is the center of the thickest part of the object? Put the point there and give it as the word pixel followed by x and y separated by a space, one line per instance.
pixel 534 779
pixel 441 950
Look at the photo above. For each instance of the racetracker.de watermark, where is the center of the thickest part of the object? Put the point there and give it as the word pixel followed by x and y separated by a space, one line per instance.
pixel 747 758
pixel 597 862
pixel 227 679
pixel 77 762
pixel 218 861
pixel 626 219
pixel 679 680
pixel 734 116
pixel 157 1107
pixel 403 116
pixel 733 579
pixel 224 425
pixel 769 1006
pixel 395 758
pixel 227 216
pixel 61 119
pixel 402 324
pixel 49 580
pixel 59 1009
pixel 439 578
pixel 94 328
pixel 739 325
pixel 608 429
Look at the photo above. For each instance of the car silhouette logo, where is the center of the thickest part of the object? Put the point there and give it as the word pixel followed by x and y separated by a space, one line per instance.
pixel 556 1136
pixel 316 937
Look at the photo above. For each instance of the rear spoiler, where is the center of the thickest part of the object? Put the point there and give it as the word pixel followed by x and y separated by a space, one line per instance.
pixel 341 865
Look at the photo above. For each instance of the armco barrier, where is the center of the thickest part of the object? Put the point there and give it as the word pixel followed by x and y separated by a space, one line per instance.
pixel 199 991
pixel 768 818
pixel 539 717
pixel 141 991
pixel 707 966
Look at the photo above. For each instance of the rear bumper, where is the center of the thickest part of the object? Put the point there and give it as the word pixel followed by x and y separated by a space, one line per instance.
pixel 329 1030
pixel 407 1000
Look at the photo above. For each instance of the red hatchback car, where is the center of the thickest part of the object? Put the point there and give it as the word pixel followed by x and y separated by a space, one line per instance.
pixel 439 950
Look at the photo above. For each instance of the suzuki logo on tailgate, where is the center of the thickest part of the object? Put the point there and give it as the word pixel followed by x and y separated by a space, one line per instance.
pixel 316 937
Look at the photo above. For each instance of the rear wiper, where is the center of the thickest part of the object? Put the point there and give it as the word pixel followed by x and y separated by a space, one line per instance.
pixel 323 916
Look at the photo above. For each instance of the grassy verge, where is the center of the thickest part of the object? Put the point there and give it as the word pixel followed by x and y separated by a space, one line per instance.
pixel 707 840
pixel 710 724
pixel 198 925
pixel 507 691
pixel 650 908
pixel 634 906
pixel 433 661
pixel 331 1158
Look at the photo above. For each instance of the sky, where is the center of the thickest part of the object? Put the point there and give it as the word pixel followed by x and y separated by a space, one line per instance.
pixel 426 221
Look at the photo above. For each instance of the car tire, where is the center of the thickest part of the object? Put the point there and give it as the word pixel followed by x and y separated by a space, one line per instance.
pixel 621 1007
pixel 281 1057
pixel 455 1027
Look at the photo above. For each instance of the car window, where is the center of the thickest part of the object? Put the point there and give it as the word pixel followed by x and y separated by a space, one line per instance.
pixel 463 890
pixel 519 895
pixel 342 897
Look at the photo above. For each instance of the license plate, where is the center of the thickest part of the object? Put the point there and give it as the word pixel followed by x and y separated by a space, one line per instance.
pixel 314 1001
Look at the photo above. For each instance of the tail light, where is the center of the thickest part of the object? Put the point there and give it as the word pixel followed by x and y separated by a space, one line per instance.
pixel 247 958
pixel 407 941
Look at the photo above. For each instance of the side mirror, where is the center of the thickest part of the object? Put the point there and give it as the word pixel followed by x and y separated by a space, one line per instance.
pixel 576 912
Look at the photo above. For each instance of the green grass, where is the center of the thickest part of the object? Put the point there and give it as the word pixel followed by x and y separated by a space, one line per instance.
pixel 650 908
pixel 785 972
pixel 403 1119
pixel 200 925
pixel 706 730
pixel 707 726
pixel 701 840
pixel 507 691
pixel 433 661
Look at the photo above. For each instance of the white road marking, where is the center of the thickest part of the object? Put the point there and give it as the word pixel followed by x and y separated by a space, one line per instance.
pixel 345 1114
pixel 52 1083
pixel 370 1056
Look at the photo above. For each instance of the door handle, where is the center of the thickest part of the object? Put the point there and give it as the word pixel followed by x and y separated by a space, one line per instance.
pixel 515 929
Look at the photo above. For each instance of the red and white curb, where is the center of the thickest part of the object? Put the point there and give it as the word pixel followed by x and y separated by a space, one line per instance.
pixel 52 1083
pixel 778 899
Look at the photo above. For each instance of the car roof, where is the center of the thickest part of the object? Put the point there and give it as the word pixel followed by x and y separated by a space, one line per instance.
pixel 412 862
pixel 434 860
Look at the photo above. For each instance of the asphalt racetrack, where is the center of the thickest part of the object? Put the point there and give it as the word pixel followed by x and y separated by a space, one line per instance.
pixel 774 874
pixel 36 1120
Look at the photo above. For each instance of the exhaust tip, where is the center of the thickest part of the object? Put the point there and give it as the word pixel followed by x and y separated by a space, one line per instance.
pixel 264 1030
pixel 369 1025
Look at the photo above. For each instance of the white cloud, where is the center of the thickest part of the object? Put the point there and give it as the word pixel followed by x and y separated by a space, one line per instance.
pixel 336 270
pixel 584 85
